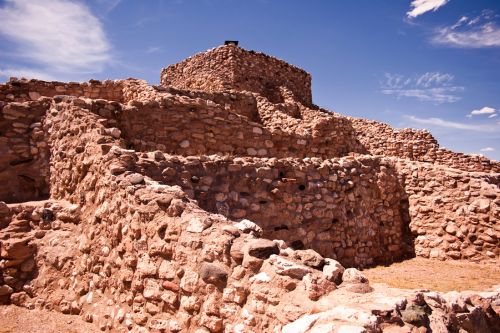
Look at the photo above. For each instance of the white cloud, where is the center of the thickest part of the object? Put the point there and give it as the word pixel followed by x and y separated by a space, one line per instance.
pixel 26 73
pixel 493 115
pixel 488 149
pixel 420 7
pixel 429 87
pixel 481 31
pixel 451 124
pixel 60 37
pixel 484 110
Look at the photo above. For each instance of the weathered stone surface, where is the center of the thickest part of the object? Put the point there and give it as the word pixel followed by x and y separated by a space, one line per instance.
pixel 213 273
pixel 333 270
pixel 289 268
pixel 248 226
pixel 262 248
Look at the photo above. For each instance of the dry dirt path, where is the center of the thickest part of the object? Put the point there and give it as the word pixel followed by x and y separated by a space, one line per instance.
pixel 419 273
pixel 14 319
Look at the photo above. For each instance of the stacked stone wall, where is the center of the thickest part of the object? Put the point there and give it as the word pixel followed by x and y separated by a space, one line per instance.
pixel 194 126
pixel 416 145
pixel 24 151
pixel 454 214
pixel 229 67
pixel 310 203
pixel 22 90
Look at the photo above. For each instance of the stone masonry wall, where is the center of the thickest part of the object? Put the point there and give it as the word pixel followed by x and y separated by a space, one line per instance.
pixel 454 214
pixel 230 67
pixel 183 125
pixel 416 145
pixel 309 203
pixel 21 90
pixel 24 152
pixel 146 257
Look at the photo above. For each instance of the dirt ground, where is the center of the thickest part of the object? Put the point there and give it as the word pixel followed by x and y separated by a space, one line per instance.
pixel 14 319
pixel 419 273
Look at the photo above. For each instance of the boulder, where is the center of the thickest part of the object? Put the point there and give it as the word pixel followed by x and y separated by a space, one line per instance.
pixel 249 227
pixel 311 258
pixel 289 268
pixel 262 248
pixel 213 273
pixel 333 270
pixel 352 275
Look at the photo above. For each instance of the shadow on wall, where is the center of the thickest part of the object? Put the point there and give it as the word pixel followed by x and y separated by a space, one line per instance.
pixel 24 152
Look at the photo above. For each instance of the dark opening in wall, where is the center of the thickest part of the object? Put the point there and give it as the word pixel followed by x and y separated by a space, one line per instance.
pixel 48 215
pixel 297 245
pixel 263 202
pixel 335 221
pixel 195 179
pixel 302 187
pixel 281 227
pixel 281 174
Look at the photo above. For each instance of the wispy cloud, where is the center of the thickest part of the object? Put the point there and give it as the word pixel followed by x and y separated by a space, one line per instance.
pixel 56 37
pixel 451 124
pixel 477 32
pixel 486 149
pixel 483 111
pixel 429 87
pixel 419 7
pixel 26 72
pixel 153 49
pixel 107 5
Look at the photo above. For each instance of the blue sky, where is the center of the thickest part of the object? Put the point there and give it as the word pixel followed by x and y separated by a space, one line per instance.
pixel 431 64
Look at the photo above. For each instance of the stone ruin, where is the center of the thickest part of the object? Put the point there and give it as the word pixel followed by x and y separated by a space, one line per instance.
pixel 224 200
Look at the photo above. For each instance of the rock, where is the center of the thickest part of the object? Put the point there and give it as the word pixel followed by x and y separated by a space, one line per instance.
pixel 289 268
pixel 159 324
pixel 231 230
pixel 34 96
pixel 151 290
pixel 115 132
pixel 301 325
pixel 198 224
pixel 415 315
pixel 333 270
pixel 6 290
pixel 236 294
pixel 135 178
pixel 237 250
pixel 249 227
pixel 213 273
pixel 351 329
pixel 317 286
pixel 145 267
pixel 310 258
pixel 262 248
pixel 184 144
pixel 352 275
pixel 17 248
pixel 189 281
pixel 482 205
pixel 262 277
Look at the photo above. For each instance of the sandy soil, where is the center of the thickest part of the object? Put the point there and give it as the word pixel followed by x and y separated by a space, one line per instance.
pixel 14 319
pixel 419 273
